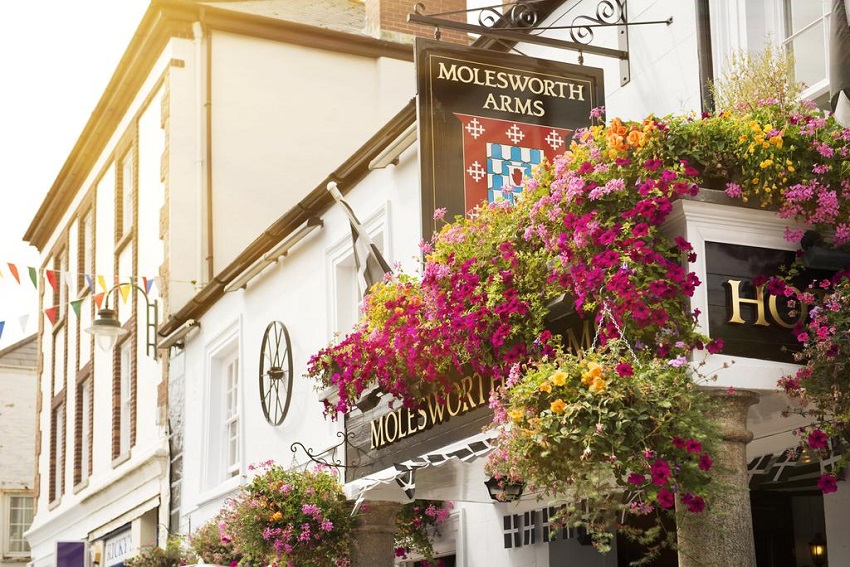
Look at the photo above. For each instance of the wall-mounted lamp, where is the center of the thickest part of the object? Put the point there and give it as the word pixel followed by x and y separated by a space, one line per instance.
pixel 394 149
pixel 817 547
pixel 176 338
pixel 274 254
pixel 503 490
pixel 106 327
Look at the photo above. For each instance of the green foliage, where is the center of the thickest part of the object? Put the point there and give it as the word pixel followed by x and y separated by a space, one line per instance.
pixel 610 435
pixel 416 524
pixel 209 544
pixel 752 78
pixel 174 555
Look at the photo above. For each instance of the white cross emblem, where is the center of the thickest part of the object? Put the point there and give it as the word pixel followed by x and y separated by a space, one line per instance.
pixel 476 171
pixel 554 139
pixel 474 128
pixel 515 134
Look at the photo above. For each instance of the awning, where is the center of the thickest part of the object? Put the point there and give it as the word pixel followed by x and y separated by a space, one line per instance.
pixel 460 476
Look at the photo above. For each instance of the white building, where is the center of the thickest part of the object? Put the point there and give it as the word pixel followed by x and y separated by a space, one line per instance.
pixel 17 448
pixel 230 121
pixel 214 124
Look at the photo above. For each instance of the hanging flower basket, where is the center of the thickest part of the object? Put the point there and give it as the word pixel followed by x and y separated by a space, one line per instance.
pixel 417 524
pixel 289 517
pixel 610 434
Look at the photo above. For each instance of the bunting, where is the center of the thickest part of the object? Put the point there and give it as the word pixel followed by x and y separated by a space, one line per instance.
pixel 14 270
pixel 34 277
pixel 51 278
pixel 50 312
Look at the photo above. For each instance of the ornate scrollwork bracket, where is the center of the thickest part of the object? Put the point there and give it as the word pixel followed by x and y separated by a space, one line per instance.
pixel 517 22
pixel 331 457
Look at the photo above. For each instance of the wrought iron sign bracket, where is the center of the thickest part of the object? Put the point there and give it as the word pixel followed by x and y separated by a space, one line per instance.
pixel 515 22
pixel 330 459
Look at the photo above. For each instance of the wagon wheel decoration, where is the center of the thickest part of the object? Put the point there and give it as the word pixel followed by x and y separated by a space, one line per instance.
pixel 275 373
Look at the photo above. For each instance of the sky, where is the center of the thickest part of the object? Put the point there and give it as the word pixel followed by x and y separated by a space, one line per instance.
pixel 56 58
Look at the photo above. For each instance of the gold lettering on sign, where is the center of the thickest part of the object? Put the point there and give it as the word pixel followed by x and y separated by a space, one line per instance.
pixel 737 300
pixel 466 395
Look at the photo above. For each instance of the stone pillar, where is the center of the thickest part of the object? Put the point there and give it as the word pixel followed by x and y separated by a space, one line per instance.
pixel 722 535
pixel 373 538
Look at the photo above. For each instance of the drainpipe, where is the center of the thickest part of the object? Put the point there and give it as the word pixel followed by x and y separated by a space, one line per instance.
pixel 203 90
pixel 706 62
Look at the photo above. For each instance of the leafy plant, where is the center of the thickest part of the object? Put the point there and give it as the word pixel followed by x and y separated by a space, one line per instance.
pixel 751 78
pixel 608 433
pixel 290 517
pixel 173 555
pixel 210 542
pixel 416 524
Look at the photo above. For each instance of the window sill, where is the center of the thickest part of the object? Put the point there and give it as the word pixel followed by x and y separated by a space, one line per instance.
pixel 219 490
pixel 16 558
pixel 121 459
pixel 54 503
pixel 82 485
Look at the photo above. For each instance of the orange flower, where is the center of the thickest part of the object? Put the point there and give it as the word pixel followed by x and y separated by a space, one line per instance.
pixel 516 415
pixel 276 516
pixel 594 370
pixel 558 406
pixel 598 386
pixel 546 387
pixel 635 138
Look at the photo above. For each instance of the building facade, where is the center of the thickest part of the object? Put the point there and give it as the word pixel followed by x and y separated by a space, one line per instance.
pixel 204 171
pixel 17 448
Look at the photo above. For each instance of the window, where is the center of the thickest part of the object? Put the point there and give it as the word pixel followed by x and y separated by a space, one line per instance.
pixel 57 451
pixel 125 194
pixel 805 32
pixel 83 431
pixel 18 517
pixel 231 414
pixel 224 404
pixel 122 396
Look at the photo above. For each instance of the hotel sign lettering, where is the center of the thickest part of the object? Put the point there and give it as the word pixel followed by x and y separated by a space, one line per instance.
pixel 752 321
pixel 487 118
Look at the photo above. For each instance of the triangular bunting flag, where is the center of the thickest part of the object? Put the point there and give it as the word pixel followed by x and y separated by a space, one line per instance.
pixel 34 276
pixel 148 284
pixel 2 324
pixel 125 291
pixel 51 278
pixel 51 314
pixel 23 320
pixel 75 305
pixel 98 299
pixel 101 281
pixel 90 282
pixel 14 270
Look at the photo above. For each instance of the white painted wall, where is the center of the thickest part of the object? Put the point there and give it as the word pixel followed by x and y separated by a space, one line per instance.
pixel 283 117
pixel 116 493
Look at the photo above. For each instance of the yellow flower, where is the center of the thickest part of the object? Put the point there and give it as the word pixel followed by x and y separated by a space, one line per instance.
pixel 558 406
pixel 594 370
pixel 766 163
pixel 516 415
pixel 559 378
pixel 546 387
pixel 598 386
pixel 276 516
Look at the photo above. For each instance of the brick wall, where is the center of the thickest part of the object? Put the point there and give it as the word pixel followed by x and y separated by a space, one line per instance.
pixel 387 19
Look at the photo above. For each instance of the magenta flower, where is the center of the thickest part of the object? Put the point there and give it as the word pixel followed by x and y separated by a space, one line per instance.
pixel 817 439
pixel 693 446
pixel 827 483
pixel 624 369
pixel 660 472
pixel 636 479
pixel 665 499
pixel 705 462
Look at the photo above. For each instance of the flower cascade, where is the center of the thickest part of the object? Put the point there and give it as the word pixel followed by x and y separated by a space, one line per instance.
pixel 289 517
pixel 612 436
pixel 416 524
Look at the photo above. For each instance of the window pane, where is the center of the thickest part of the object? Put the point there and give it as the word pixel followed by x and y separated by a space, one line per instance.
pixel 800 13
pixel 809 56
pixel 20 518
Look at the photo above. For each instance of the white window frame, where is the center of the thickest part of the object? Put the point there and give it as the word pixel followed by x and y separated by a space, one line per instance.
pixel 224 361
pixel 125 406
pixel 85 431
pixel 59 452
pixel 344 294
pixel 821 87
pixel 7 525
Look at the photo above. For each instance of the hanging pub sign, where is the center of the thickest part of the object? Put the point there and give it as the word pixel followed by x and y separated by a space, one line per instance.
pixel 752 320
pixel 486 119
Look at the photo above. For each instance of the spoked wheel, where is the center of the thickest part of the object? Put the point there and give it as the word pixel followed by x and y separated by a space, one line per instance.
pixel 275 373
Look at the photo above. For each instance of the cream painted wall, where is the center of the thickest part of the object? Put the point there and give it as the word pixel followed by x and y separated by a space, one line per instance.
pixel 284 116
